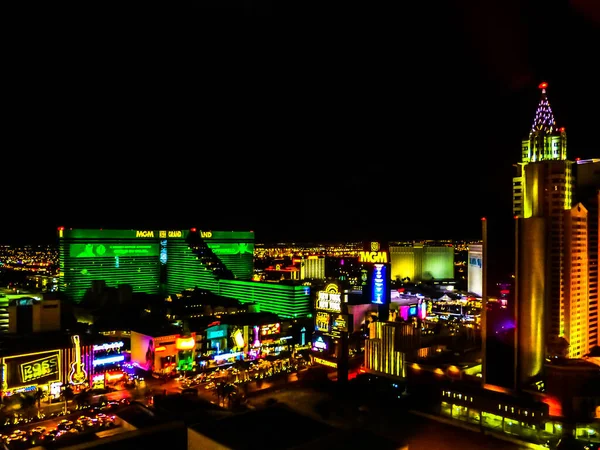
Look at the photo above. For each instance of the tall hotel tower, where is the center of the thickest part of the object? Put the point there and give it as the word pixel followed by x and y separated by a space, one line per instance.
pixel 551 241
pixel 588 192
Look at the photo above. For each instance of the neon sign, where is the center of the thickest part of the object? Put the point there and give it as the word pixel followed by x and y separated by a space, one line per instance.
pixel 144 234
pixel 328 301
pixel 325 362
pixel 78 375
pixel 39 368
pixel 379 284
pixel 114 376
pixel 227 356
pixel 374 255
pixel 3 376
pixel 206 234
pixel 185 343
pixel 20 390
pixel 171 234
pixel 110 359
pixel 322 321
pixel 274 328
pixel 108 346
pixel 238 338
pixel 319 344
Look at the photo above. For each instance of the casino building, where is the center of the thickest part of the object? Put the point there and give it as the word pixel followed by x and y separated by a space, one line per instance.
pixel 421 261
pixel 47 361
pixel 170 261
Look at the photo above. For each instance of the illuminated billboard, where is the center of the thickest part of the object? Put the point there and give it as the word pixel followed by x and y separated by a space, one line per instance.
pixel 108 250
pixel 143 349
pixel 475 269
pixel 329 299
pixel 33 369
pixel 274 328
pixel 322 321
pixel 217 332
pixel 379 288
pixel 237 248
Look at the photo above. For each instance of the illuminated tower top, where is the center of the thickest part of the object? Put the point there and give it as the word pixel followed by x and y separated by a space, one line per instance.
pixel 546 141
pixel 544 119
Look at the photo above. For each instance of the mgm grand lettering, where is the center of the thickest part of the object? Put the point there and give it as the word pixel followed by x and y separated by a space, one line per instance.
pixel 170 234
pixel 327 301
pixel 39 368
pixel 372 257
pixel 144 234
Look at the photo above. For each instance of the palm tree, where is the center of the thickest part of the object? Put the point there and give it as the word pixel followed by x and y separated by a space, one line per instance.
pixel 83 398
pixel 220 392
pixel 67 394
pixel 10 405
pixel 229 391
pixel 39 395
pixel 28 402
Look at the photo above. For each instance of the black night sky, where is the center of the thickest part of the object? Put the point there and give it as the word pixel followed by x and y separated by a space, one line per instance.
pixel 302 125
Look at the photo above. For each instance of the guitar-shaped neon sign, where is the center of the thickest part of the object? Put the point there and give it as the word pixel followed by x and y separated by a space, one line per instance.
pixel 78 374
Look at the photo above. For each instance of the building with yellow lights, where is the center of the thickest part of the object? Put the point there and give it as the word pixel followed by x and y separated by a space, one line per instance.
pixel 551 248
pixel 555 205
pixel 387 346
pixel 422 261
pixel 588 192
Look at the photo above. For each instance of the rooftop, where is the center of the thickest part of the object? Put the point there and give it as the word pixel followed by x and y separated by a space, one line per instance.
pixel 16 344
pixel 281 428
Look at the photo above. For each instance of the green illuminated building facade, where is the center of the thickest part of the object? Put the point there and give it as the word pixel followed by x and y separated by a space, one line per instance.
pixel 170 261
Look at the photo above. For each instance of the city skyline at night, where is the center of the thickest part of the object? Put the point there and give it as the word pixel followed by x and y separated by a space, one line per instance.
pixel 297 157
pixel 346 230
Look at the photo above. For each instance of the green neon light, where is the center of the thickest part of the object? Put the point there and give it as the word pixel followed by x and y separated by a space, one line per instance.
pixel 127 259
pixel 102 250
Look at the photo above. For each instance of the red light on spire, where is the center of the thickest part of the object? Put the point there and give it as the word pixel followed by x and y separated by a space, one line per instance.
pixel 483 218
pixel 61 228
pixel 577 159
pixel 561 129
pixel 193 230
pixel 515 217
pixel 543 85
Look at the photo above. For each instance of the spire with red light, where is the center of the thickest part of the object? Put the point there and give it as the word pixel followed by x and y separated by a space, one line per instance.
pixel 546 141
pixel 544 119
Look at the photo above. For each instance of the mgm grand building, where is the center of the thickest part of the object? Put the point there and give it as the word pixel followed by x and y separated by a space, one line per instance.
pixel 170 261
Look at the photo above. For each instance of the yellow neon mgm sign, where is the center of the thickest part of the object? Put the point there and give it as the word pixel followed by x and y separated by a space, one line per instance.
pixel 373 257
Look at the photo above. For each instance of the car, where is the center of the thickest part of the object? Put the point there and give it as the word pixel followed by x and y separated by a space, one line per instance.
pixel 64 425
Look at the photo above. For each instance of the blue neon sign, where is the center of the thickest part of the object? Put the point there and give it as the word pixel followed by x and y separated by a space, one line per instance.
pixel 379 284
pixel 108 360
